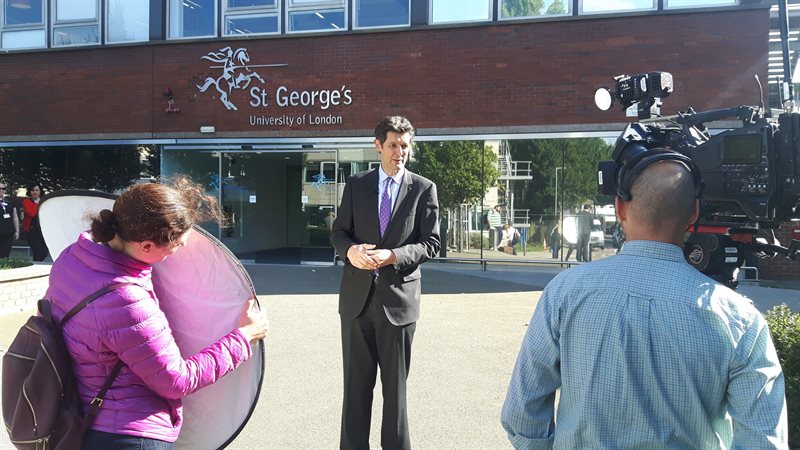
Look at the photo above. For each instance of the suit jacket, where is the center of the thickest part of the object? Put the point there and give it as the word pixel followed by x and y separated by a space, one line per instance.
pixel 412 234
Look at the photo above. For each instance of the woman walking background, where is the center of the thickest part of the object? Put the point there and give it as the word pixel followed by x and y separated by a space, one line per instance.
pixel 30 222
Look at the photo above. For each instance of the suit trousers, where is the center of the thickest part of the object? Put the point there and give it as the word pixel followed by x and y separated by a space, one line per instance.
pixel 370 341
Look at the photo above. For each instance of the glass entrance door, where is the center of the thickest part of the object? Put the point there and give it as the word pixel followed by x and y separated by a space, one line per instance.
pixel 280 205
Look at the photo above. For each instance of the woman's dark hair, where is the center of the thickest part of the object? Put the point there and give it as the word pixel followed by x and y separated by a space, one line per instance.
pixel 31 186
pixel 156 212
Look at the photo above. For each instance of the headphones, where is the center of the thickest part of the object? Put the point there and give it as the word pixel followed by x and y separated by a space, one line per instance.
pixel 635 158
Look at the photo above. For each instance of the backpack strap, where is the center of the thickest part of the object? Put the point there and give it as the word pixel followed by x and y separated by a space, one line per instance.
pixel 97 401
pixel 90 299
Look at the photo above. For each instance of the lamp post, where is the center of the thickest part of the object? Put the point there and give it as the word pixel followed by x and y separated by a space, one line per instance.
pixel 555 205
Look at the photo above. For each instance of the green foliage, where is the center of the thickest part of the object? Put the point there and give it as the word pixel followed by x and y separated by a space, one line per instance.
pixel 531 8
pixel 522 8
pixel 462 170
pixel 557 7
pixel 784 326
pixel 577 179
pixel 13 263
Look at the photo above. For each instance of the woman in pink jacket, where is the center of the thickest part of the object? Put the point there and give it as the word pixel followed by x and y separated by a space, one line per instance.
pixel 142 410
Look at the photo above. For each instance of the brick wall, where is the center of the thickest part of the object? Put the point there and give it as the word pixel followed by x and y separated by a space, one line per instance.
pixel 464 79
pixel 21 288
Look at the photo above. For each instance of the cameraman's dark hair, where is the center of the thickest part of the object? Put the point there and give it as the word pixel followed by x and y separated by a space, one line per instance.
pixel 156 212
pixel 398 124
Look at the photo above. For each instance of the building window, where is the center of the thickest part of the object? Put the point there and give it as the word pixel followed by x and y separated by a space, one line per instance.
pixel 192 18
pixel 128 21
pixel 315 15
pixel 24 24
pixel 77 22
pixel 251 17
pixel 382 13
pixel 518 9
pixel 604 6
pixel 450 11
pixel 674 4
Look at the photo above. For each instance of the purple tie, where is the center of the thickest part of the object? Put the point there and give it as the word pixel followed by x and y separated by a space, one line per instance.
pixel 385 212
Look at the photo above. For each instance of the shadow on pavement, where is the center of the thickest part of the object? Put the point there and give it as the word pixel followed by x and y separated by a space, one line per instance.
pixel 310 280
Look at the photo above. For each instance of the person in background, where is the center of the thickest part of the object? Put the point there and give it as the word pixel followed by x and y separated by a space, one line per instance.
pixel 143 407
pixel 584 224
pixel 30 222
pixel 386 227
pixel 555 239
pixel 647 352
pixel 9 222
pixel 513 237
pixel 495 224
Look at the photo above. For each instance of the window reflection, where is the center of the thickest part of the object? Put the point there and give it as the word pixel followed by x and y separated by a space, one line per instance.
pixel 445 11
pixel 316 20
pixel 382 13
pixel 23 12
pixel 192 18
pixel 82 35
pixel 599 6
pixel 533 8
pixel 128 20
pixel 251 24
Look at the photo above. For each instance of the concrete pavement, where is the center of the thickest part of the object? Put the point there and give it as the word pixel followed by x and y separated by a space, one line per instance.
pixel 465 346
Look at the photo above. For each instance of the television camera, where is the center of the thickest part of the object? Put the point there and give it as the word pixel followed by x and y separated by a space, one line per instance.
pixel 748 178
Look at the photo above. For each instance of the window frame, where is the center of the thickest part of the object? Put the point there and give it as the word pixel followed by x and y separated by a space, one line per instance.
pixel 249 11
pixel 315 6
pixel 704 5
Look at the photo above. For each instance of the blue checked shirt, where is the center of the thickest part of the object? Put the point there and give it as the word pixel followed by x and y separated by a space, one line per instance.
pixel 649 354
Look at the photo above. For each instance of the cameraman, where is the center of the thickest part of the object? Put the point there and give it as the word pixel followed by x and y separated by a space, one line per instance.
pixel 647 351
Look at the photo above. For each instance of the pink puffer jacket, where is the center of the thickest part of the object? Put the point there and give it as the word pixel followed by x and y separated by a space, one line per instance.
pixel 127 324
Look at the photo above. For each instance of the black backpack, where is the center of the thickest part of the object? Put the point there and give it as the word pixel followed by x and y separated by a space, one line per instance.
pixel 41 405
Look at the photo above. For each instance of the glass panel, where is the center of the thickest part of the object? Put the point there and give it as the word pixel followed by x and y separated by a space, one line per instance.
pixel 81 35
pixel 697 3
pixel 460 10
pixel 23 39
pixel 534 8
pixel 201 166
pixel 128 20
pixel 251 4
pixel 191 18
pixel 382 13
pixel 598 6
pixel 251 24
pixel 316 20
pixel 76 10
pixel 23 12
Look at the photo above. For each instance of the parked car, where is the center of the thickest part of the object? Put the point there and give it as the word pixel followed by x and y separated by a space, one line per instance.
pixel 597 238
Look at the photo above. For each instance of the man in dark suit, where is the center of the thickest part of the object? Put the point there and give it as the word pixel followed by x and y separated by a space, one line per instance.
pixel 386 226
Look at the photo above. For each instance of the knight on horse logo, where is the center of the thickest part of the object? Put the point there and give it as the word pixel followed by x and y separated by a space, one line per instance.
pixel 236 73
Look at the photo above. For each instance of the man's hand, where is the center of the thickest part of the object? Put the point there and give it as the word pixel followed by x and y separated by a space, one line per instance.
pixel 359 257
pixel 382 257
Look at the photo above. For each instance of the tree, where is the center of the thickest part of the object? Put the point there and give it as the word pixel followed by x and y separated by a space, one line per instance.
pixel 557 7
pixel 575 162
pixel 522 8
pixel 462 170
